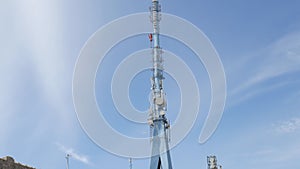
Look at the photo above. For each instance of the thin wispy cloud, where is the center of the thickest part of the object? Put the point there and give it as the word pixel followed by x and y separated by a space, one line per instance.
pixel 278 59
pixel 273 157
pixel 288 126
pixel 32 55
pixel 73 154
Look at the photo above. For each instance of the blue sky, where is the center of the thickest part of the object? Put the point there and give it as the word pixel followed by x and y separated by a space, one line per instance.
pixel 258 43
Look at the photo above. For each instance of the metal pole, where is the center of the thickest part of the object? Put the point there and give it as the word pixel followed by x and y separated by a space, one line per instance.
pixel 67 160
pixel 130 163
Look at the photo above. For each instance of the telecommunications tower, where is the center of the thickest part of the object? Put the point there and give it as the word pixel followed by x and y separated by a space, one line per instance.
pixel 159 125
pixel 212 163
